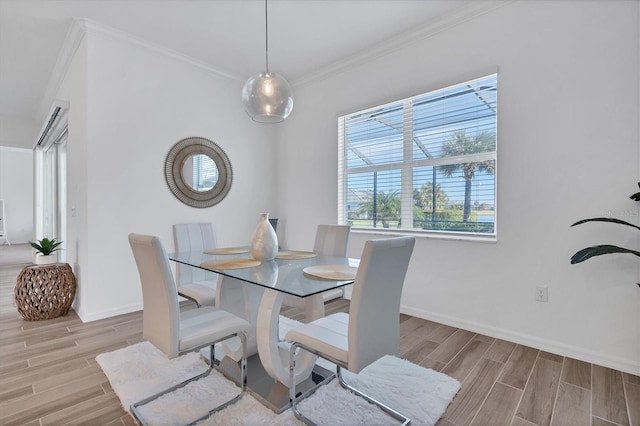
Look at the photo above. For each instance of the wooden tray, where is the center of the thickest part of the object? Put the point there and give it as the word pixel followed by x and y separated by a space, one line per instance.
pixel 227 250
pixel 230 264
pixel 332 272
pixel 292 255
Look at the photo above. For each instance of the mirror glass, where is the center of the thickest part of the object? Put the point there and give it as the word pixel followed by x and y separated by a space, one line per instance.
pixel 200 172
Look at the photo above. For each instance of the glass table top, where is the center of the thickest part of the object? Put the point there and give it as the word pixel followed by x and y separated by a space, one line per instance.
pixel 284 275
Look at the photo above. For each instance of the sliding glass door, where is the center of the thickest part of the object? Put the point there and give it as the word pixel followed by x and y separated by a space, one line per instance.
pixel 51 190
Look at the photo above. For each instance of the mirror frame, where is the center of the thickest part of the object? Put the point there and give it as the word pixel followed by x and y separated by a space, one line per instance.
pixel 181 152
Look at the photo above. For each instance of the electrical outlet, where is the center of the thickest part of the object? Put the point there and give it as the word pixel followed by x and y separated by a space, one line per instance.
pixel 542 294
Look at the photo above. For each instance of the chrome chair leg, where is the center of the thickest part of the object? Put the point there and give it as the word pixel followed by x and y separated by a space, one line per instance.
pixel 390 411
pixel 243 384
pixel 293 398
pixel 405 421
pixel 190 298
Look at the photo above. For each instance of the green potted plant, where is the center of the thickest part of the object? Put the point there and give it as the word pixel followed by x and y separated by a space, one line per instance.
pixel 45 249
pixel 589 252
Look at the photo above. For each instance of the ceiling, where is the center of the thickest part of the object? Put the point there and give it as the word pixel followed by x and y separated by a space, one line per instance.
pixel 305 36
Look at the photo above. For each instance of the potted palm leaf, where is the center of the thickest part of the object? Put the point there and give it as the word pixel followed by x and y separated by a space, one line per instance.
pixel 45 249
pixel 589 252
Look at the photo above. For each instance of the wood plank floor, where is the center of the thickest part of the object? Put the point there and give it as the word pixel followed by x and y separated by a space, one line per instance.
pixel 49 376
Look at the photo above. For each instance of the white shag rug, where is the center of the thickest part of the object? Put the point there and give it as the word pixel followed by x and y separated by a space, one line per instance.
pixel 140 370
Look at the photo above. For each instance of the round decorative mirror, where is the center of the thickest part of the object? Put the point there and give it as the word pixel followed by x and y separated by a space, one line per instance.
pixel 198 172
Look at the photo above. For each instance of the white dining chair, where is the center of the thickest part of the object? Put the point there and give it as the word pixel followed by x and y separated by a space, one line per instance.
pixel 331 240
pixel 175 332
pixel 371 329
pixel 195 284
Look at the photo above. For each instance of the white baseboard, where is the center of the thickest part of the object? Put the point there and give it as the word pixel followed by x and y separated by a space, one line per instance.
pixel 621 364
pixel 94 316
pixel 625 365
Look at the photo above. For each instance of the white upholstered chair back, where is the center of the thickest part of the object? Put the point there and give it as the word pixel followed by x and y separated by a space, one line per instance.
pixel 332 240
pixel 374 314
pixel 161 313
pixel 193 237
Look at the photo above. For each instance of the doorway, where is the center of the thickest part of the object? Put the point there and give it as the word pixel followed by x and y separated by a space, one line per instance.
pixel 50 170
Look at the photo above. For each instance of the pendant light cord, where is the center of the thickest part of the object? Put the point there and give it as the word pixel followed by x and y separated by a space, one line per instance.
pixel 266 35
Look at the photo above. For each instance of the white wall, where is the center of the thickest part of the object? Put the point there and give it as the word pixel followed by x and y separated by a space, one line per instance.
pixel 16 188
pixel 17 132
pixel 74 90
pixel 128 106
pixel 17 137
pixel 568 149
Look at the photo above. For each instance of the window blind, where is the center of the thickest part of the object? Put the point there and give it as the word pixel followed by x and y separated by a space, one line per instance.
pixel 422 164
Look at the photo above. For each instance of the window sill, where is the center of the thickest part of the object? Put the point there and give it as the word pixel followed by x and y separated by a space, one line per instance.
pixel 456 236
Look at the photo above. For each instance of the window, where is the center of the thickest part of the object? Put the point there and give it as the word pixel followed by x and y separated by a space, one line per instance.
pixel 204 173
pixel 422 164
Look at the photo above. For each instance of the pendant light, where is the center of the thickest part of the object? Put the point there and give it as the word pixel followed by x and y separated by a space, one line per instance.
pixel 267 96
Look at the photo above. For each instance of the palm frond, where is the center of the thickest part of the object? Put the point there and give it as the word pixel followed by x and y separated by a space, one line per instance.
pixel 589 252
pixel 606 219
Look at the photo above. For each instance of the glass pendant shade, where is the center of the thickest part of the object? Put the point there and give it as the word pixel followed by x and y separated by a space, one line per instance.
pixel 267 97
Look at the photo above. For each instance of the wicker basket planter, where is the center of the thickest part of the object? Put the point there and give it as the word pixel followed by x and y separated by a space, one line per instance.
pixel 45 292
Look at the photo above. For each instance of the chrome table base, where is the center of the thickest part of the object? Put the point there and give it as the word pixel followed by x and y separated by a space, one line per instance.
pixel 264 388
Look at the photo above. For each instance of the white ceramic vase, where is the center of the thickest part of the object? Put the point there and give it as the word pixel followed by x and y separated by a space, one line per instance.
pixel 264 244
pixel 49 259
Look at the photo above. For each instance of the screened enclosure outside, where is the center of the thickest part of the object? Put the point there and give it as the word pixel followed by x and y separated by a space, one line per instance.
pixel 422 164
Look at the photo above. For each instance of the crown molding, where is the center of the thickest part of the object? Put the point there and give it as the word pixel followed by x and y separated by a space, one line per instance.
pixel 77 31
pixel 72 41
pixel 81 26
pixel 428 29
pixel 98 28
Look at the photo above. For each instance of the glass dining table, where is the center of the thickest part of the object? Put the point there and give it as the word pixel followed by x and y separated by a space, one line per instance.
pixel 254 290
